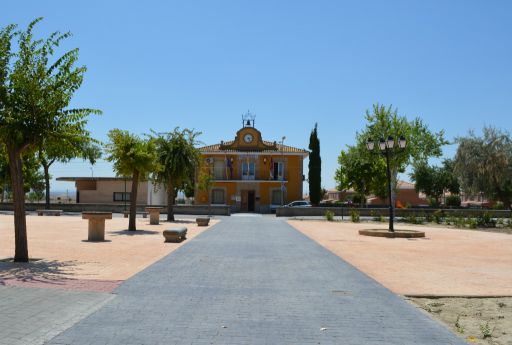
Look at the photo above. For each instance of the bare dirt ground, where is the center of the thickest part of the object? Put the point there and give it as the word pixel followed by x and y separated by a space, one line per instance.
pixel 69 261
pixel 448 262
pixel 477 320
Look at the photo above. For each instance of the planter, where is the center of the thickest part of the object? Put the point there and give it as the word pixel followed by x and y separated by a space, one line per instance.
pixel 203 221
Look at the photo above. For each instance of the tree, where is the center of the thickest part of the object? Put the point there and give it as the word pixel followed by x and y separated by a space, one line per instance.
pixel 421 142
pixel 178 158
pixel 133 156
pixel 315 168
pixel 205 183
pixel 358 172
pixel 484 164
pixel 63 149
pixel 435 181
pixel 36 89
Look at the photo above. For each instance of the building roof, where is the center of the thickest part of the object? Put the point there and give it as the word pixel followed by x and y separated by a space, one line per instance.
pixel 79 178
pixel 278 148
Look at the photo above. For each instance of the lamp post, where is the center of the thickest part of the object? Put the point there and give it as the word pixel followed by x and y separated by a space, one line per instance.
pixel 282 164
pixel 386 148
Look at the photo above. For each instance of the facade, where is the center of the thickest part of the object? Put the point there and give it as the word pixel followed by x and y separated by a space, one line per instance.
pixel 251 174
pixel 113 190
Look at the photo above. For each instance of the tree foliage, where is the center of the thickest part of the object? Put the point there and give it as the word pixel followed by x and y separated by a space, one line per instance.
pixel 484 164
pixel 132 156
pixel 36 88
pixel 63 149
pixel 315 168
pixel 177 158
pixel 434 181
pixel 358 172
pixel 421 142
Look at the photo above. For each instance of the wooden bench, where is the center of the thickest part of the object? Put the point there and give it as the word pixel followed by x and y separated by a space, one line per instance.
pixel 49 212
pixel 96 224
pixel 177 234
pixel 202 221
pixel 127 213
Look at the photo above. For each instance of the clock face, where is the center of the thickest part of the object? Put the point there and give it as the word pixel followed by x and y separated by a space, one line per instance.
pixel 248 138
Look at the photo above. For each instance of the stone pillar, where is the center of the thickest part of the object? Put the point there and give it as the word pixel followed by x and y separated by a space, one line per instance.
pixel 154 215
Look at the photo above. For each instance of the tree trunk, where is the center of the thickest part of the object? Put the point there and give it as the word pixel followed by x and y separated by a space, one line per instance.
pixel 170 201
pixel 133 201
pixel 46 169
pixel 18 196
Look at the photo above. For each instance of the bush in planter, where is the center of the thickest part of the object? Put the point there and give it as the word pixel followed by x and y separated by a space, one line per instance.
pixel 453 201
pixel 354 216
pixel 329 215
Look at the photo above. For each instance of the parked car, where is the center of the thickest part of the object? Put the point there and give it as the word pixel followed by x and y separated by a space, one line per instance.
pixel 299 203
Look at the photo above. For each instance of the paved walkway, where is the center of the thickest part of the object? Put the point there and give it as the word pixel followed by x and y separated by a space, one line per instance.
pixel 254 280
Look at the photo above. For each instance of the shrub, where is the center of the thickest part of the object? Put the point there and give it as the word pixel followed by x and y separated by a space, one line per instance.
pixel 354 216
pixel 433 202
pixel 472 223
pixel 414 219
pixel 460 222
pixel 329 215
pixel 453 201
pixel 498 205
pixel 485 220
pixel 438 216
pixel 358 199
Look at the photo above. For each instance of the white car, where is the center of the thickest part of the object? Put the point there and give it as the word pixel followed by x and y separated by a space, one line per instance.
pixel 299 203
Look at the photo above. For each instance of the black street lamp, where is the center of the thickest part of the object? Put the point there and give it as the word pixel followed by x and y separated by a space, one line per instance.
pixel 386 148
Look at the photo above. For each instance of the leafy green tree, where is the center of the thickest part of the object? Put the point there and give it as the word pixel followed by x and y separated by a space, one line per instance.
pixel 132 156
pixel 434 181
pixel 421 142
pixel 315 168
pixel 36 89
pixel 178 158
pixel 484 164
pixel 63 149
pixel 205 183
pixel 358 172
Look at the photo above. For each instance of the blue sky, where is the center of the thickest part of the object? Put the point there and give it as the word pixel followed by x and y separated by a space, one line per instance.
pixel 201 64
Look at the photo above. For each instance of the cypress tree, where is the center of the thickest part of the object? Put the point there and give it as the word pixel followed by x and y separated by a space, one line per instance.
pixel 315 168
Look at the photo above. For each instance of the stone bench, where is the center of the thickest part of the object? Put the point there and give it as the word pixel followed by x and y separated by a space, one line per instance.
pixel 96 224
pixel 127 213
pixel 154 215
pixel 49 212
pixel 203 221
pixel 177 234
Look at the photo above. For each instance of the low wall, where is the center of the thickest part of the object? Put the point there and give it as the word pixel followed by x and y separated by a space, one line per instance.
pixel 373 212
pixel 119 208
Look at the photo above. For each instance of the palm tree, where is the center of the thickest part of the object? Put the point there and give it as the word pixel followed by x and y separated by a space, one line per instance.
pixel 177 158
pixel 131 156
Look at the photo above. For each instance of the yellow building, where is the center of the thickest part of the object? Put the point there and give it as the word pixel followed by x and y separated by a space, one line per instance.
pixel 251 174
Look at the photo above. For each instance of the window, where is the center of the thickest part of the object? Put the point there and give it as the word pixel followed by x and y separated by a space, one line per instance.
pixel 278 171
pixel 218 196
pixel 120 196
pixel 219 169
pixel 248 170
pixel 276 197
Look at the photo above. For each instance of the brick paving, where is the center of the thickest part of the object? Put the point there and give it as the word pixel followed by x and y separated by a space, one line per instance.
pixel 253 280
pixel 30 316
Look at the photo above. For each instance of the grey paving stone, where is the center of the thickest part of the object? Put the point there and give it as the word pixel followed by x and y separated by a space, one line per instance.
pixel 31 316
pixel 254 280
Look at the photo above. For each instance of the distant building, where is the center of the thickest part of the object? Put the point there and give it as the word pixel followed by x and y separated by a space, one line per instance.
pixel 109 190
pixel 251 174
pixel 406 195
